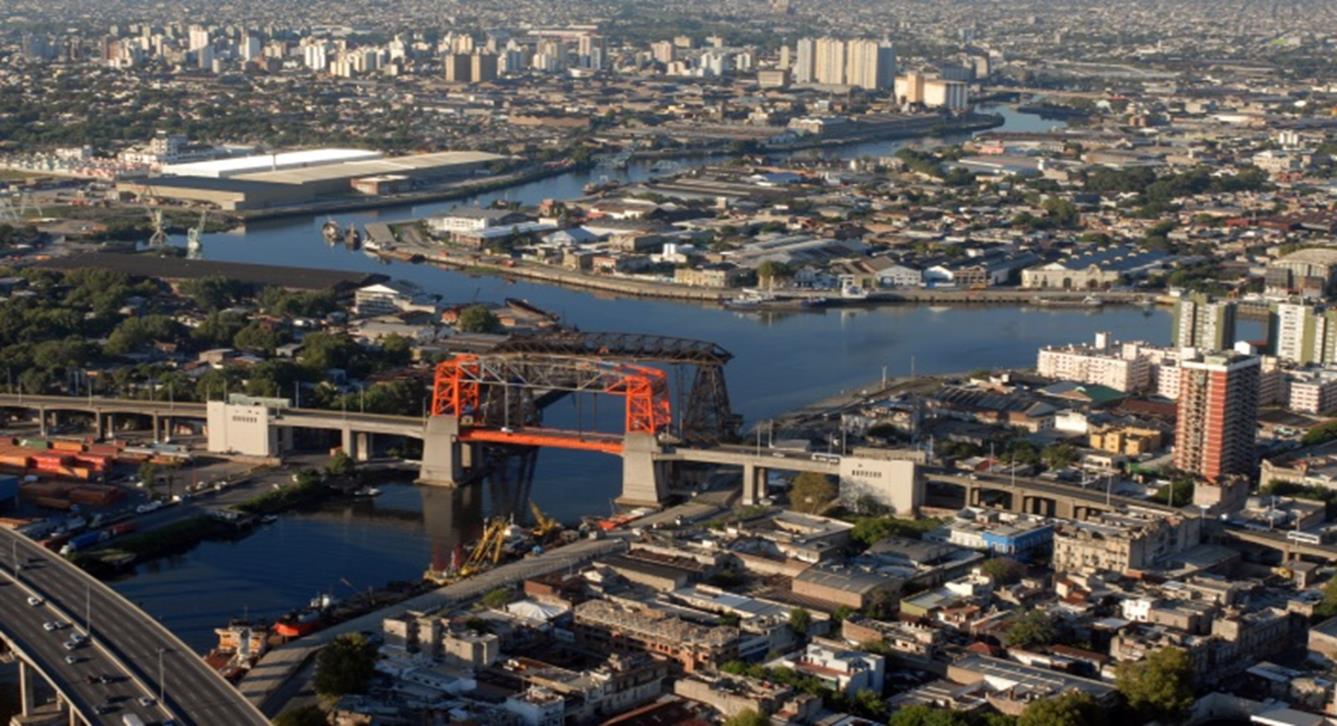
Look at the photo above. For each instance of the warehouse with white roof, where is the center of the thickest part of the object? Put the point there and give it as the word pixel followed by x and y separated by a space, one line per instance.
pixel 280 161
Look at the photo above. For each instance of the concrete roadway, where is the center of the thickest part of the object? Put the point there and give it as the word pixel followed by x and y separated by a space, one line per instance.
pixel 22 623
pixel 195 693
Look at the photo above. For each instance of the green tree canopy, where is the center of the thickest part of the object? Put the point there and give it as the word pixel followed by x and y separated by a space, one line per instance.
pixel 927 716
pixel 477 319
pixel 799 620
pixel 1003 570
pixel 346 665
pixel 811 492
pixel 746 717
pixel 1073 708
pixel 1159 686
pixel 1033 628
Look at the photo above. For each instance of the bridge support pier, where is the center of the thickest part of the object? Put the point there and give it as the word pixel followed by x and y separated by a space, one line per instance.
pixel 364 452
pixel 643 480
pixel 41 422
pixel 27 694
pixel 754 484
pixel 442 454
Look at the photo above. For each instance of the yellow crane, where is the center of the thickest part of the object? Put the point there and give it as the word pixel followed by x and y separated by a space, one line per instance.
pixel 544 526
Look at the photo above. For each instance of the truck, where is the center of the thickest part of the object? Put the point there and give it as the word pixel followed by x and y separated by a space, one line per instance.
pixel 131 719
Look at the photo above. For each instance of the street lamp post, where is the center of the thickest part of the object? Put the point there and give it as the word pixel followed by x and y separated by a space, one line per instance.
pixel 162 678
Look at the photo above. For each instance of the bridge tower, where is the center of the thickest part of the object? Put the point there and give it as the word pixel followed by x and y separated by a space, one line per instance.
pixel 491 400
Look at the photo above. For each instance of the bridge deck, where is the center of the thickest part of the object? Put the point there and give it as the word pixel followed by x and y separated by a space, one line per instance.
pixel 196 694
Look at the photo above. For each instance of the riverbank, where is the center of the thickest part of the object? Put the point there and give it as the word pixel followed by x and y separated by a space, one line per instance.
pixel 459 190
pixel 509 268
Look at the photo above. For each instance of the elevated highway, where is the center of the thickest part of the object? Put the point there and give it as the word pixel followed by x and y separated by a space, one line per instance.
pixel 193 693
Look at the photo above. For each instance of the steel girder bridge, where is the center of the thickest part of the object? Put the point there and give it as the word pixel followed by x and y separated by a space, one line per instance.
pixel 706 415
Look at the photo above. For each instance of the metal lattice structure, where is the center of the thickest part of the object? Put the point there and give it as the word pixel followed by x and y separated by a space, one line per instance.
pixel 483 390
pixel 707 416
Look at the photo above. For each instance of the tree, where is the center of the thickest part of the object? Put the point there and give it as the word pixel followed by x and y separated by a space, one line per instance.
pixel 215 292
pixel 498 598
pixel 1059 456
pixel 341 465
pixel 149 473
pixel 1159 686
pixel 1003 570
pixel 1032 628
pixel 927 716
pixel 477 319
pixel 811 492
pixel 746 717
pixel 257 337
pixel 799 620
pixel 770 271
pixel 309 715
pixel 1074 708
pixel 346 665
pixel 1328 607
pixel 868 530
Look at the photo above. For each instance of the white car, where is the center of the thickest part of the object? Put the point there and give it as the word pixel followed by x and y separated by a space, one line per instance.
pixel 146 701
pixel 34 601
pixel 50 625
pixel 72 659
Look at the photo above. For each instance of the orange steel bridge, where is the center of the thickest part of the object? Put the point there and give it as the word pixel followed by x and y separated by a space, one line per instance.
pixel 493 396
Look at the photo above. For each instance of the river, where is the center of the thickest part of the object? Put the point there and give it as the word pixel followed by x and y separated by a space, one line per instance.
pixel 781 362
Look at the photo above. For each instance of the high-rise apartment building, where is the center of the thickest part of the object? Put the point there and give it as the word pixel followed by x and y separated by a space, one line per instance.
pixel 805 61
pixel 1303 334
pixel 829 66
pixel 250 47
pixel 199 38
pixel 1203 323
pixel 1217 416
pixel 870 64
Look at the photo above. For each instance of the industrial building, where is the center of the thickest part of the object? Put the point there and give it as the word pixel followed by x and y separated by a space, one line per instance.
pixel 283 161
pixel 299 185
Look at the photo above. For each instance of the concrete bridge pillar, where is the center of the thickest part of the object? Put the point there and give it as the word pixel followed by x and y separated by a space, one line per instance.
pixel 41 421
pixel 27 694
pixel 97 425
pixel 442 458
pixel 156 436
pixel 643 480
pixel 754 484
pixel 348 442
pixel 364 452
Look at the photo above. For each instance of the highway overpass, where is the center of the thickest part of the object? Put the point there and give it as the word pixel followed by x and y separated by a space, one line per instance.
pixel 148 659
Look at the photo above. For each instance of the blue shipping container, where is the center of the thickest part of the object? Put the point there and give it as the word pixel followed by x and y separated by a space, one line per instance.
pixel 87 539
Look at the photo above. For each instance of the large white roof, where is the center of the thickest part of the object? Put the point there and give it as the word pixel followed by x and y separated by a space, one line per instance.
pixel 220 168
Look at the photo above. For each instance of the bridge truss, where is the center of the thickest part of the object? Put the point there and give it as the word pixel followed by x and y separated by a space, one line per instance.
pixel 499 390
pixel 706 414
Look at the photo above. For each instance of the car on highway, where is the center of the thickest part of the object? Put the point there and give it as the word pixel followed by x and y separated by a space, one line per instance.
pixel 72 659
pixel 34 601
pixel 54 625
pixel 146 701
pixel 104 708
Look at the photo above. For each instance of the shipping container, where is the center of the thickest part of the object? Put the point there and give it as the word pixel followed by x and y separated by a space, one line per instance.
pixel 51 503
pixel 124 528
pixel 67 445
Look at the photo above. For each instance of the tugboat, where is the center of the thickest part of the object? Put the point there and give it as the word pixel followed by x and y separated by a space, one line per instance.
pixel 603 185
pixel 366 492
